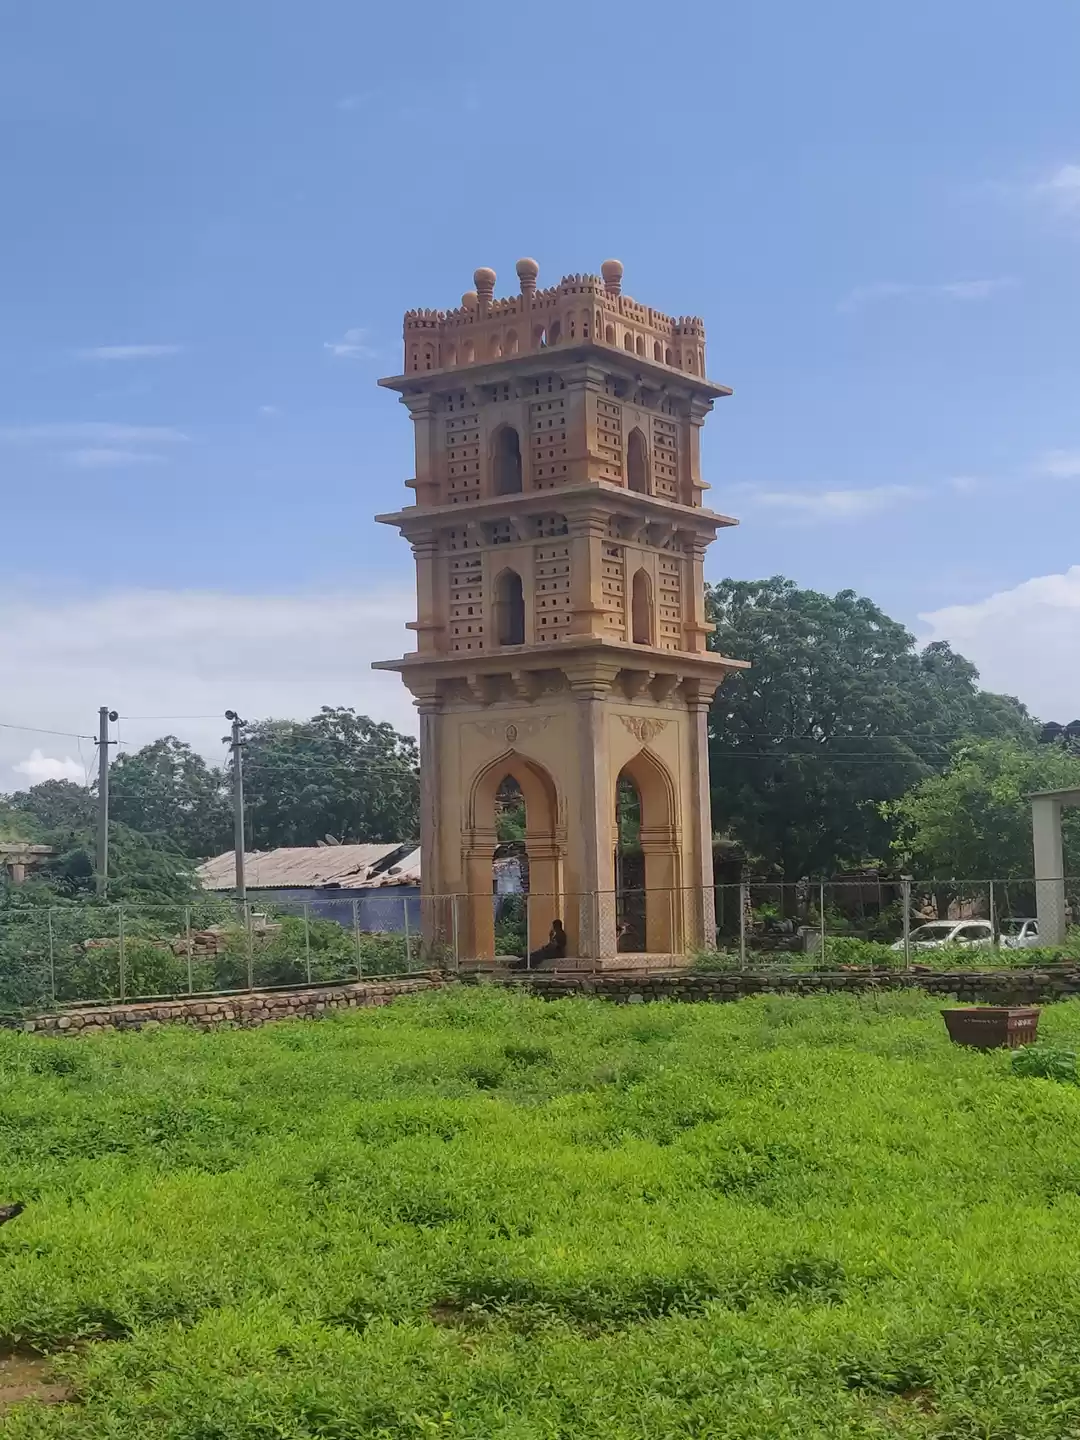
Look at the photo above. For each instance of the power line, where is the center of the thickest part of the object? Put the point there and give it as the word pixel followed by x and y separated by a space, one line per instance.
pixel 40 730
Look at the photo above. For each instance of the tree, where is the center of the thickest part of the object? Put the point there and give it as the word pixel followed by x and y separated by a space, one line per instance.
pixel 338 775
pixel 973 821
pixel 838 712
pixel 141 868
pixel 56 805
pixel 169 790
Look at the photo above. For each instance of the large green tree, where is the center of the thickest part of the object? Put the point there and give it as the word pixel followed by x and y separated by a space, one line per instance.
pixel 973 821
pixel 338 775
pixel 839 712
pixel 55 805
pixel 168 789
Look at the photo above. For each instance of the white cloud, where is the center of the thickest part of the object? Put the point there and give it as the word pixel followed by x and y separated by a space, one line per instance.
pixel 963 484
pixel 356 102
pixel 352 346
pixel 1062 188
pixel 833 504
pixel 949 290
pixel 103 458
pixel 269 410
pixel 38 767
pixel 1060 464
pixel 1025 641
pixel 128 352
pixel 90 432
pixel 199 653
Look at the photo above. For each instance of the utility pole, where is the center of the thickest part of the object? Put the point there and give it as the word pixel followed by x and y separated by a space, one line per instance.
pixel 101 851
pixel 236 745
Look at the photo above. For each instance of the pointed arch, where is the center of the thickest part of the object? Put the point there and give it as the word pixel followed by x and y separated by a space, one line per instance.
pixel 637 462
pixel 609 333
pixel 657 351
pixel 641 609
pixel 628 342
pixel 508 609
pixel 506 461
pixel 639 345
pixel 511 347
pixel 495 347
pixel 535 783
pixel 555 332
pixel 451 357
pixel 468 352
pixel 659 847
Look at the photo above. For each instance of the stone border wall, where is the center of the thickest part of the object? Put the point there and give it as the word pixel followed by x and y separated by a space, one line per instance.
pixel 206 1012
pixel 992 987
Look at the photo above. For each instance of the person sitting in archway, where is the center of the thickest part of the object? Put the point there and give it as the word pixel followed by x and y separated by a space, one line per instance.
pixel 555 949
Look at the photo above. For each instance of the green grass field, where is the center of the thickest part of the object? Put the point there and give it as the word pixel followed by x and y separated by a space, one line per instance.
pixel 479 1215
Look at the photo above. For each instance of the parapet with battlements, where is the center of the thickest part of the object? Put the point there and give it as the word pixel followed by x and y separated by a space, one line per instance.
pixel 580 309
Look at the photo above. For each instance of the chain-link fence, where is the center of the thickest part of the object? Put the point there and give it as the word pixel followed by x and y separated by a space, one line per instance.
pixel 91 953
pixel 71 954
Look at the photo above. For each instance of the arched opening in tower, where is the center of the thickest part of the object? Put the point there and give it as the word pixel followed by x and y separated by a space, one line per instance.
pixel 510 871
pixel 509 609
pixel 506 461
pixel 630 897
pixel 637 462
pixel 641 626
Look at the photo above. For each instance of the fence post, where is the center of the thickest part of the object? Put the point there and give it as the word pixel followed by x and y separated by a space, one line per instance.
pixel 408 937
pixel 356 938
pixel 187 945
pixel 743 898
pixel 454 930
pixel 52 960
pixel 123 952
pixel 821 918
pixel 993 920
pixel 250 946
pixel 905 890
pixel 307 943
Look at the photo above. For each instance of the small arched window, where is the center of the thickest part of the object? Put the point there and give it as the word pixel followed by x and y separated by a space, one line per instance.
pixel 641 609
pixel 628 342
pixel 639 345
pixel 509 609
pixel 506 461
pixel 637 462
pixel 609 334
pixel 511 347
pixel 657 351
pixel 554 333
pixel 495 347
pixel 667 357
pixel 451 356
pixel 538 338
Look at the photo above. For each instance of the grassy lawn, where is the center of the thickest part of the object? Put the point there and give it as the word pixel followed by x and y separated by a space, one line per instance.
pixel 477 1214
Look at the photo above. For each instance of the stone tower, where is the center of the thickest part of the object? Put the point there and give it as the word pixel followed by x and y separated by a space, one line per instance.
pixel 559 534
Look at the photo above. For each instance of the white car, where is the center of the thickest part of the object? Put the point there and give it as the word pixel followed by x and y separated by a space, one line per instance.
pixel 936 934
pixel 1019 934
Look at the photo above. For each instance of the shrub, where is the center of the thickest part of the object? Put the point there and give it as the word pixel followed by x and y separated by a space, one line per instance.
pixel 1046 1062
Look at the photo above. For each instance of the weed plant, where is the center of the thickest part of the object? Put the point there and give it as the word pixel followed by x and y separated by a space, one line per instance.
pixel 476 1214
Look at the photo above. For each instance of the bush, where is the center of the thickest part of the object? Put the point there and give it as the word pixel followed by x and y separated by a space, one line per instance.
pixel 1046 1062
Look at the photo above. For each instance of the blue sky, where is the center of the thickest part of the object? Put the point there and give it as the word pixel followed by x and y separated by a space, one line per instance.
pixel 216 215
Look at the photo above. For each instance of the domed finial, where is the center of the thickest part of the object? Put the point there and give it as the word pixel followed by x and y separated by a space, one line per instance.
pixel 484 280
pixel 469 300
pixel 612 272
pixel 527 271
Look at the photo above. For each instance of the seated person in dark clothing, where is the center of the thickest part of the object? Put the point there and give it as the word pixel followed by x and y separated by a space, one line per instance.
pixel 555 949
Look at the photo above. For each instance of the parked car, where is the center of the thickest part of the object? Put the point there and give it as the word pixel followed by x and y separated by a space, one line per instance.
pixel 936 934
pixel 1017 934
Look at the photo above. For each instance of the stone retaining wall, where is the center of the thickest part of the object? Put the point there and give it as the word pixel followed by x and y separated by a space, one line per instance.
pixel 206 1012
pixel 993 987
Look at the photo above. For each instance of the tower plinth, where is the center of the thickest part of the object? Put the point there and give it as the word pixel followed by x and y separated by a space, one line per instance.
pixel 559 536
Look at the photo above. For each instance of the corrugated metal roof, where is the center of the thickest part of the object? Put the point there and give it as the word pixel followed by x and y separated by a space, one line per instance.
pixel 405 871
pixel 347 867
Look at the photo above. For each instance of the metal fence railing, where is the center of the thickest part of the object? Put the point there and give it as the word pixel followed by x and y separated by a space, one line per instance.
pixel 94 953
